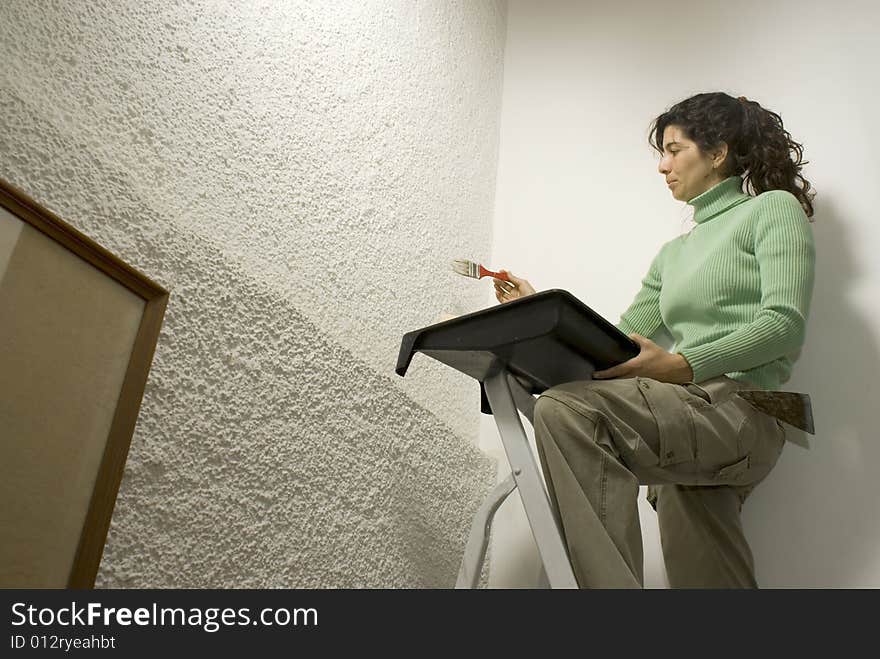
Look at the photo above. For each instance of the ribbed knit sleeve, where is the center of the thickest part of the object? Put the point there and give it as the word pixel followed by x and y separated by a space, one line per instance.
pixel 643 315
pixel 785 253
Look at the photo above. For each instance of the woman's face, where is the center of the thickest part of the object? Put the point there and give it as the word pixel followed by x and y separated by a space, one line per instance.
pixel 688 171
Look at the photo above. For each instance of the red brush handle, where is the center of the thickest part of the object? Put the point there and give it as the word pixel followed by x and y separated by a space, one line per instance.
pixel 497 275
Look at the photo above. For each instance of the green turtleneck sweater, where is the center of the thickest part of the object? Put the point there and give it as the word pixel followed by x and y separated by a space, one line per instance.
pixel 735 292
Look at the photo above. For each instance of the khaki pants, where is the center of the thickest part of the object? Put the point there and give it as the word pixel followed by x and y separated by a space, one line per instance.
pixel 699 448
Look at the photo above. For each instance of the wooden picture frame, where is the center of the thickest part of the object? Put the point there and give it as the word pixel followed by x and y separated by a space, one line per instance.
pixel 78 330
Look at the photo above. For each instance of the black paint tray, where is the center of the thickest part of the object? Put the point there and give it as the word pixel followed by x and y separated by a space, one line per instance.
pixel 545 339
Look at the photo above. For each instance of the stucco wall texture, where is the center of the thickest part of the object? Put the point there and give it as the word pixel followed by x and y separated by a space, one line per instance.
pixel 299 175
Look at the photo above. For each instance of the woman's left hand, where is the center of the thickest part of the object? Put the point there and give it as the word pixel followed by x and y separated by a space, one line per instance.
pixel 652 362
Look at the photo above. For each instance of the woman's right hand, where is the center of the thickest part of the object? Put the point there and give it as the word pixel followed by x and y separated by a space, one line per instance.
pixel 505 291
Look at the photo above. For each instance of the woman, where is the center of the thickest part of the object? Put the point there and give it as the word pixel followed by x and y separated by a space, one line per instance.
pixel 734 293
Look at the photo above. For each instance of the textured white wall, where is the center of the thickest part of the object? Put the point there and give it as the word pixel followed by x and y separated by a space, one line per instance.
pixel 299 175
pixel 580 206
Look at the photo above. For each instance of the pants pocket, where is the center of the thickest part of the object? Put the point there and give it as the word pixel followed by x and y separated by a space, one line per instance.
pixel 745 448
pixel 699 392
pixel 734 474
pixel 674 425
pixel 712 391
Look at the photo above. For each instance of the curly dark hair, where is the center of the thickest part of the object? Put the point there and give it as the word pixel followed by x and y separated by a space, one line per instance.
pixel 758 147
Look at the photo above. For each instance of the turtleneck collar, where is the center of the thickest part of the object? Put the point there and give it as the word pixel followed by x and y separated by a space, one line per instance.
pixel 718 198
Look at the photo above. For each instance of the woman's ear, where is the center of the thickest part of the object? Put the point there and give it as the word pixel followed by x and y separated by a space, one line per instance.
pixel 719 155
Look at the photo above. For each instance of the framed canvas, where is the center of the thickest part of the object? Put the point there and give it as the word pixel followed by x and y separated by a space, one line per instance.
pixel 78 329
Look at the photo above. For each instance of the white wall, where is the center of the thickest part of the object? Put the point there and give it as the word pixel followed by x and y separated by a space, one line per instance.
pixel 299 175
pixel 580 206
